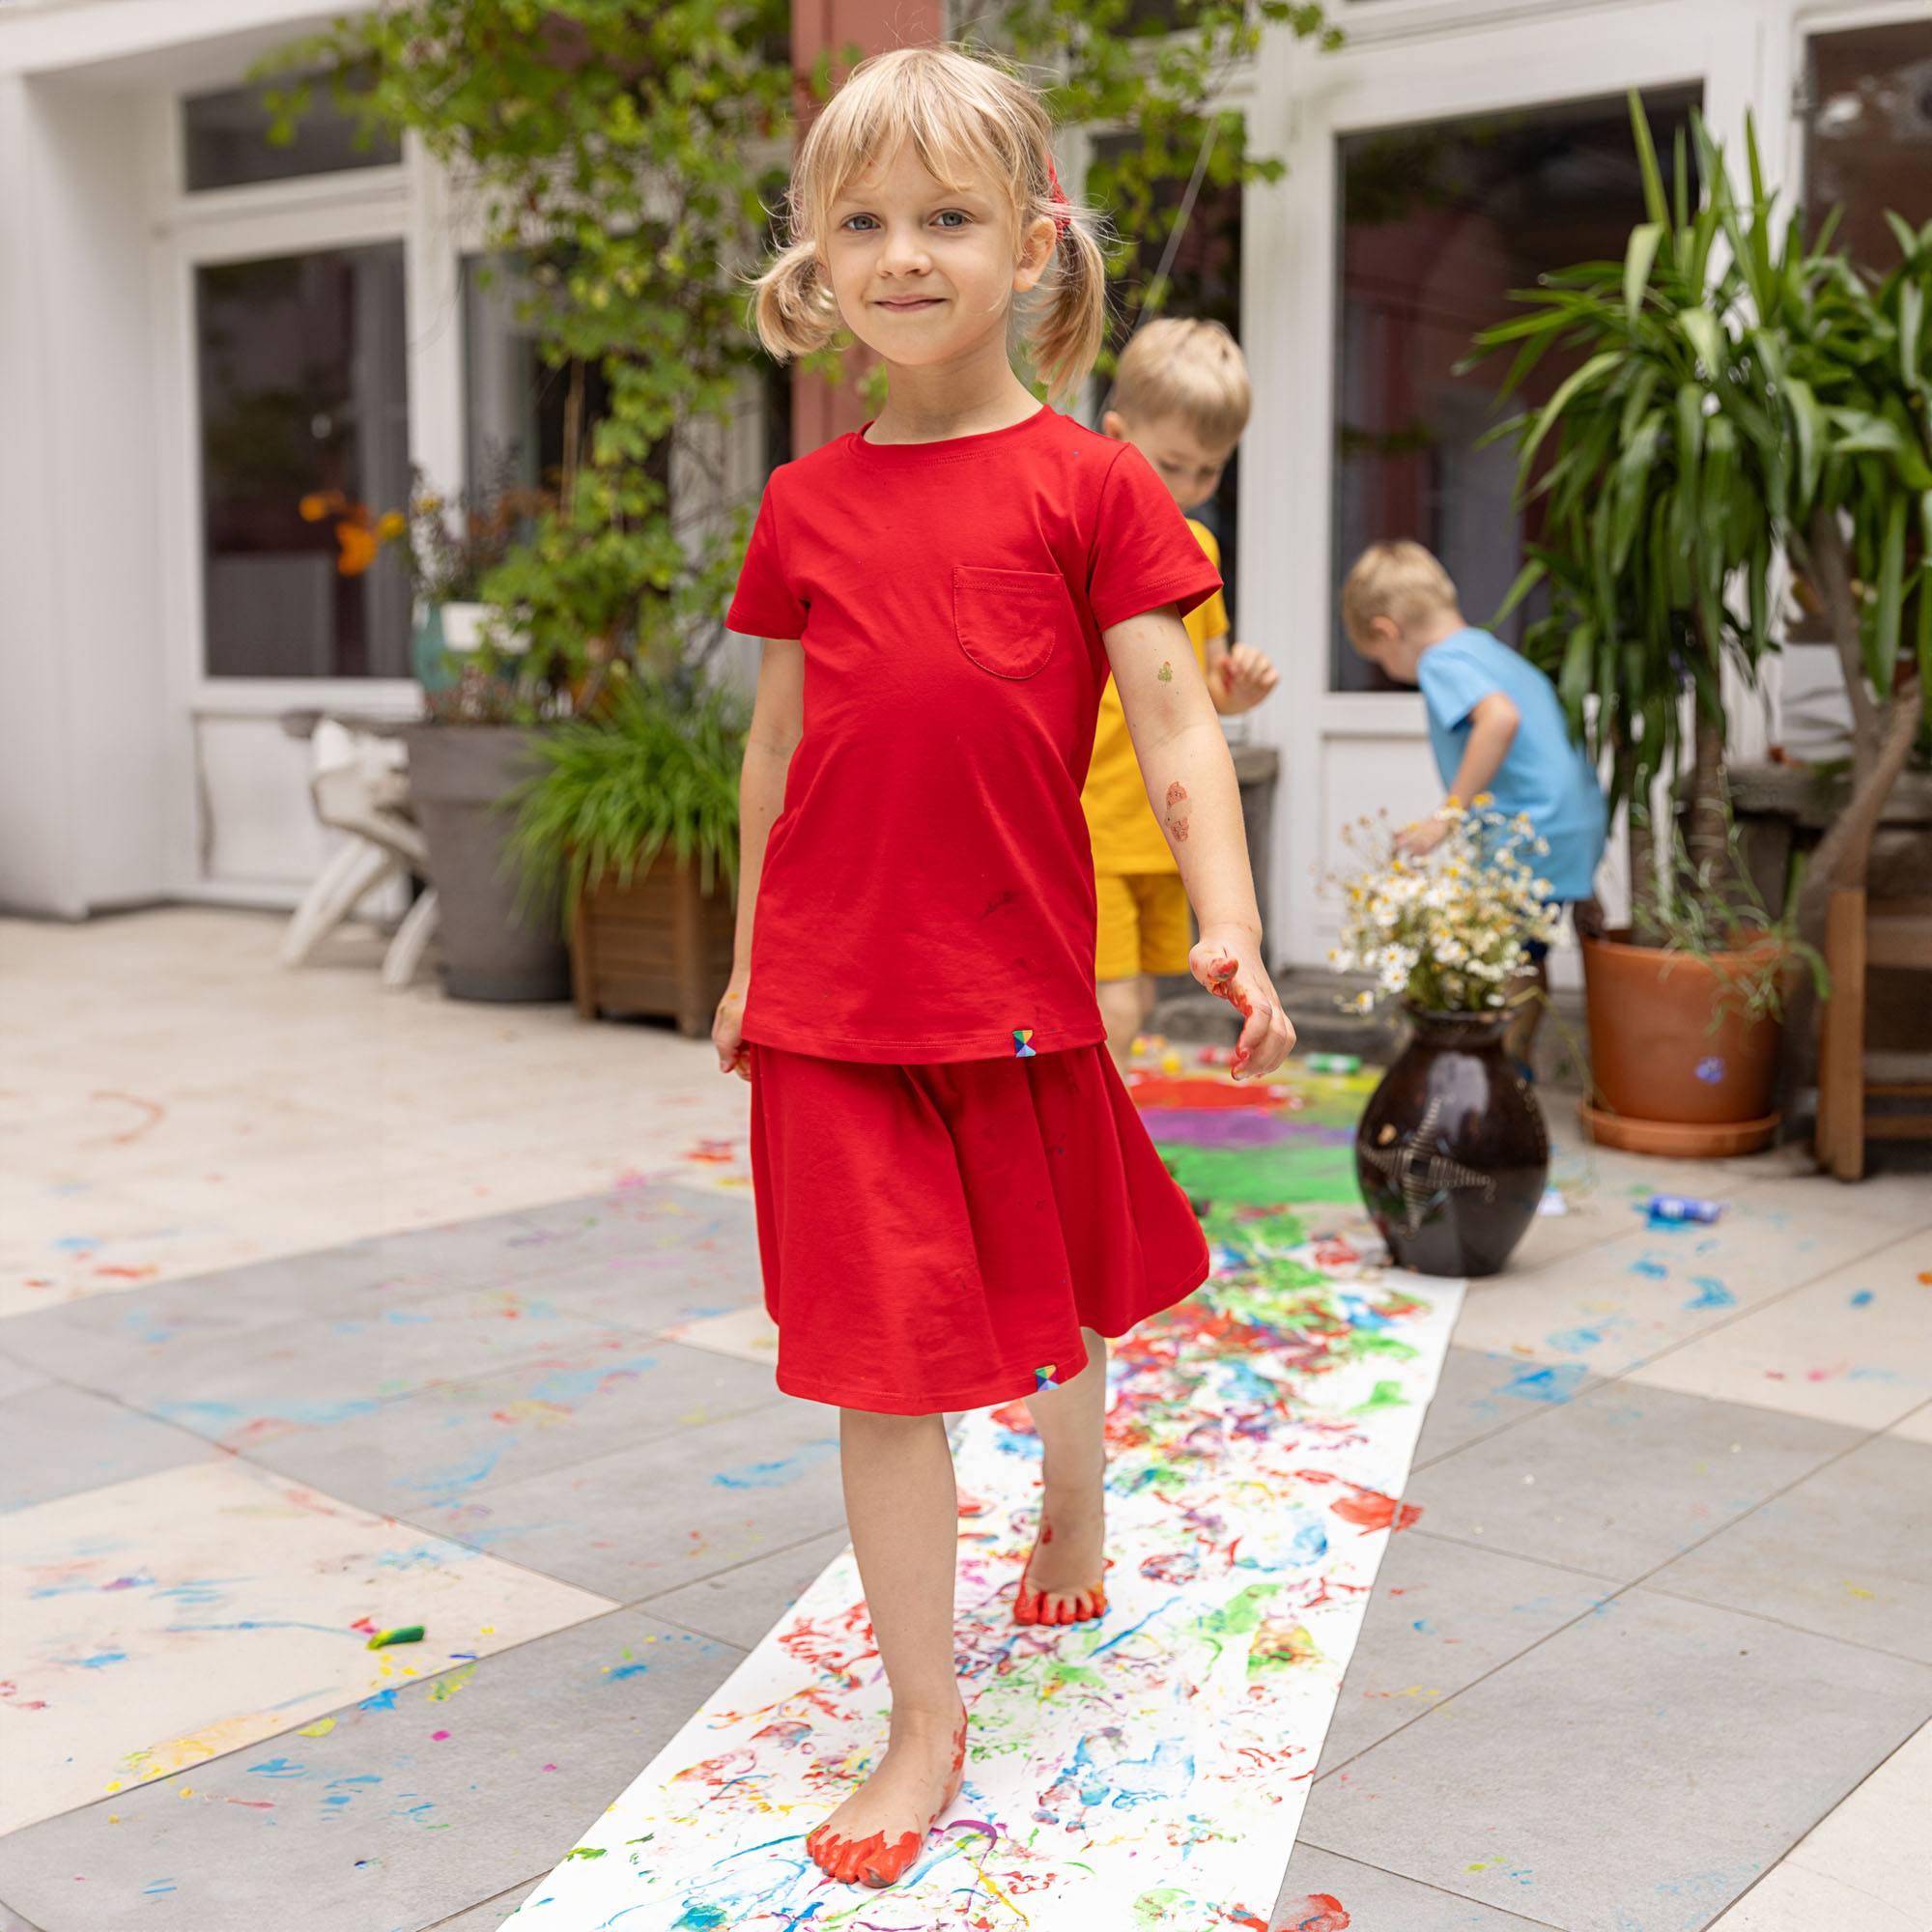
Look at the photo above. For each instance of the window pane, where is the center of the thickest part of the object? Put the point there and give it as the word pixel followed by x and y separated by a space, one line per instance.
pixel 1868 134
pixel 303 396
pixel 226 138
pixel 1205 281
pixel 1437 224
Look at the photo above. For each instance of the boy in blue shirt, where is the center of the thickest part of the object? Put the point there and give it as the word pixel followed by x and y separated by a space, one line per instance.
pixel 1494 721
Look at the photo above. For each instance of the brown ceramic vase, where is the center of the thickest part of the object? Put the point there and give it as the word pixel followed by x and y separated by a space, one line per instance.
pixel 1452 1155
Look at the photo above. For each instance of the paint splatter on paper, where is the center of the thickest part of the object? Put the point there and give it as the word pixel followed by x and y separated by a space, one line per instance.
pixel 1145 1771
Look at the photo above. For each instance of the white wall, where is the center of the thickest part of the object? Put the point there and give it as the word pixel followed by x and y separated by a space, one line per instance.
pixel 39 833
pixel 95 375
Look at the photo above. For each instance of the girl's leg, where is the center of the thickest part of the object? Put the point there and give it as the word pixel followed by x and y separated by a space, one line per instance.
pixel 902 1507
pixel 1071 1559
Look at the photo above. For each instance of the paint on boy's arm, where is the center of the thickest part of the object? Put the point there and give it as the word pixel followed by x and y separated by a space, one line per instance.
pixel 1177 810
pixel 1166 671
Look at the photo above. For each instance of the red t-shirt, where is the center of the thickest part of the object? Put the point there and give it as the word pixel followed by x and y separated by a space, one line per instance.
pixel 928 891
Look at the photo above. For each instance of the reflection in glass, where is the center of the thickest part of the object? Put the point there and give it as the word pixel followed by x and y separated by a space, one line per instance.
pixel 225 139
pixel 1868 134
pixel 1436 224
pixel 303 392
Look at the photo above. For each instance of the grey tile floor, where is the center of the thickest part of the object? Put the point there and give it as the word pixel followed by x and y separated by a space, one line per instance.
pixel 1640 1642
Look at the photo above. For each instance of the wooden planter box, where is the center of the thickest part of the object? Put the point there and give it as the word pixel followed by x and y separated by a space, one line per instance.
pixel 658 946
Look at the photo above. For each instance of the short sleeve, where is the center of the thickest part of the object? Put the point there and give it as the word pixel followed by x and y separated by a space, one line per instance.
pixel 765 606
pixel 1453 684
pixel 1207 620
pixel 1144 554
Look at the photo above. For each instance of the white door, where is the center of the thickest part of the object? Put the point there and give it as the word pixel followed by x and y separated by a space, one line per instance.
pixel 1434 164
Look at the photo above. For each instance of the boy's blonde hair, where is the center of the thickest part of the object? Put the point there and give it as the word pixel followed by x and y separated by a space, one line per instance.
pixel 1400 579
pixel 1191 369
pixel 965 117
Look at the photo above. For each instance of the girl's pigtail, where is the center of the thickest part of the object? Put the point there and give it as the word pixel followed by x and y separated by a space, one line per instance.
pixel 1066 332
pixel 792 306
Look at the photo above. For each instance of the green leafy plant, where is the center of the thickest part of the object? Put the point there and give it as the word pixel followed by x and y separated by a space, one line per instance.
pixel 624 156
pixel 1659 480
pixel 1734 393
pixel 1160 68
pixel 655 768
pixel 1720 919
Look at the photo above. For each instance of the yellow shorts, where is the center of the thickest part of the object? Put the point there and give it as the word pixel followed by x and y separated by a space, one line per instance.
pixel 1144 925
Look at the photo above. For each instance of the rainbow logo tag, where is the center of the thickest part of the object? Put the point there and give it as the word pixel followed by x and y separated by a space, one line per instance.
pixel 1022 1043
pixel 1042 1379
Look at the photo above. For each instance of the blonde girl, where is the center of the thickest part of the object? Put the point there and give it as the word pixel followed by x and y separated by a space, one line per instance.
pixel 957 1201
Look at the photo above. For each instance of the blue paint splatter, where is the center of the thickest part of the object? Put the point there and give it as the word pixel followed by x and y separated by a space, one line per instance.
pixel 382 1700
pixel 1711 1293
pixel 1575 1341
pixel 1863 1298
pixel 278 1767
pixel 629 1670
pixel 1650 1267
pixel 1555 1385
pixel 98 1661
pixel 775 1475
pixel 1423 1626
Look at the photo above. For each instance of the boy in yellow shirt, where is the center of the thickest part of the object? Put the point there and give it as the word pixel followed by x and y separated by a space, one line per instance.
pixel 1181 398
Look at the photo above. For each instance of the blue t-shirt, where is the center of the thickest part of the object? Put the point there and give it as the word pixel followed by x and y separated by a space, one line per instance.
pixel 1546 775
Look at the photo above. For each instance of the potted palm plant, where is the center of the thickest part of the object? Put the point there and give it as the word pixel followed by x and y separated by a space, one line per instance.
pixel 636 808
pixel 1665 481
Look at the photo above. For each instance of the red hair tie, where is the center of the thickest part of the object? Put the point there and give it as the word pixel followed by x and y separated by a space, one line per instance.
pixel 1059 221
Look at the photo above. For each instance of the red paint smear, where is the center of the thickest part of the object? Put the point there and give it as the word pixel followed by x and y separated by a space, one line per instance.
pixel 1366 1507
pixel 1320 1911
pixel 1189 1090
pixel 1374 1510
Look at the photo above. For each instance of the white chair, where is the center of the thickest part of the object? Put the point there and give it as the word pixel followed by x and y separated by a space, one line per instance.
pixel 359 782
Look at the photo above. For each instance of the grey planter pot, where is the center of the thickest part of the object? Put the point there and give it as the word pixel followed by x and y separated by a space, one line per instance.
pixel 491 950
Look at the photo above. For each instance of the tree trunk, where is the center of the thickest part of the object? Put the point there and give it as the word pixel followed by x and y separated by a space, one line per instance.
pixel 1642 839
pixel 1843 852
pixel 1708 824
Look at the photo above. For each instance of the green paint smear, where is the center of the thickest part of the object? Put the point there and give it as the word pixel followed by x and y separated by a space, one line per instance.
pixel 1156 1908
pixel 1264 1176
pixel 1387 1395
pixel 585 1852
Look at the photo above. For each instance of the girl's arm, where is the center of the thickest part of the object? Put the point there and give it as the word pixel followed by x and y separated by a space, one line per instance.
pixel 778 717
pixel 1190 782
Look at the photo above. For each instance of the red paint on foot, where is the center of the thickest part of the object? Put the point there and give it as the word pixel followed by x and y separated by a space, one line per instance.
pixel 872 1861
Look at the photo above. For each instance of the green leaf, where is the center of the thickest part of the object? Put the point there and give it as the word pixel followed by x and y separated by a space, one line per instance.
pixel 1527 579
pixel 1903 232
pixel 1655 204
pixel 1701 329
pixel 1572 386
pixel 1637 258
pixel 1808 421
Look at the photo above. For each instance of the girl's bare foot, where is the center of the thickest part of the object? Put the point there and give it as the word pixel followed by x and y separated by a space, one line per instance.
pixel 1065 1581
pixel 874 1837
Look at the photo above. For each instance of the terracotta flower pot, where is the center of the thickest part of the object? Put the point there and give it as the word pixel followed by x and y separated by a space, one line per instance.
pixel 1452 1154
pixel 1678 1068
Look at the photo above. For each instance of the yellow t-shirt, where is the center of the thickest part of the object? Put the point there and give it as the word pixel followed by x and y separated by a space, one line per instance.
pixel 1127 835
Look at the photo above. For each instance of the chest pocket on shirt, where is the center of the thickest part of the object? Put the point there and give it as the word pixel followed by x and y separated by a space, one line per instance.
pixel 1008 621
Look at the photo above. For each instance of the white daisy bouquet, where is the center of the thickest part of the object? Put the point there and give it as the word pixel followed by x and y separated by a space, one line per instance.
pixel 1449 932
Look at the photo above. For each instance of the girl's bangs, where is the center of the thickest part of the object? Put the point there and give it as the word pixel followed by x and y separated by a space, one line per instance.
pixel 947 137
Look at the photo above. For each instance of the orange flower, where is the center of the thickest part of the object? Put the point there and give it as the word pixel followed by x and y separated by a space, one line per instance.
pixel 358 547
pixel 319 503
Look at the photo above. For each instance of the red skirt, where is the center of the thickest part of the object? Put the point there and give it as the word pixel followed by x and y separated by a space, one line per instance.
pixel 935 1237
